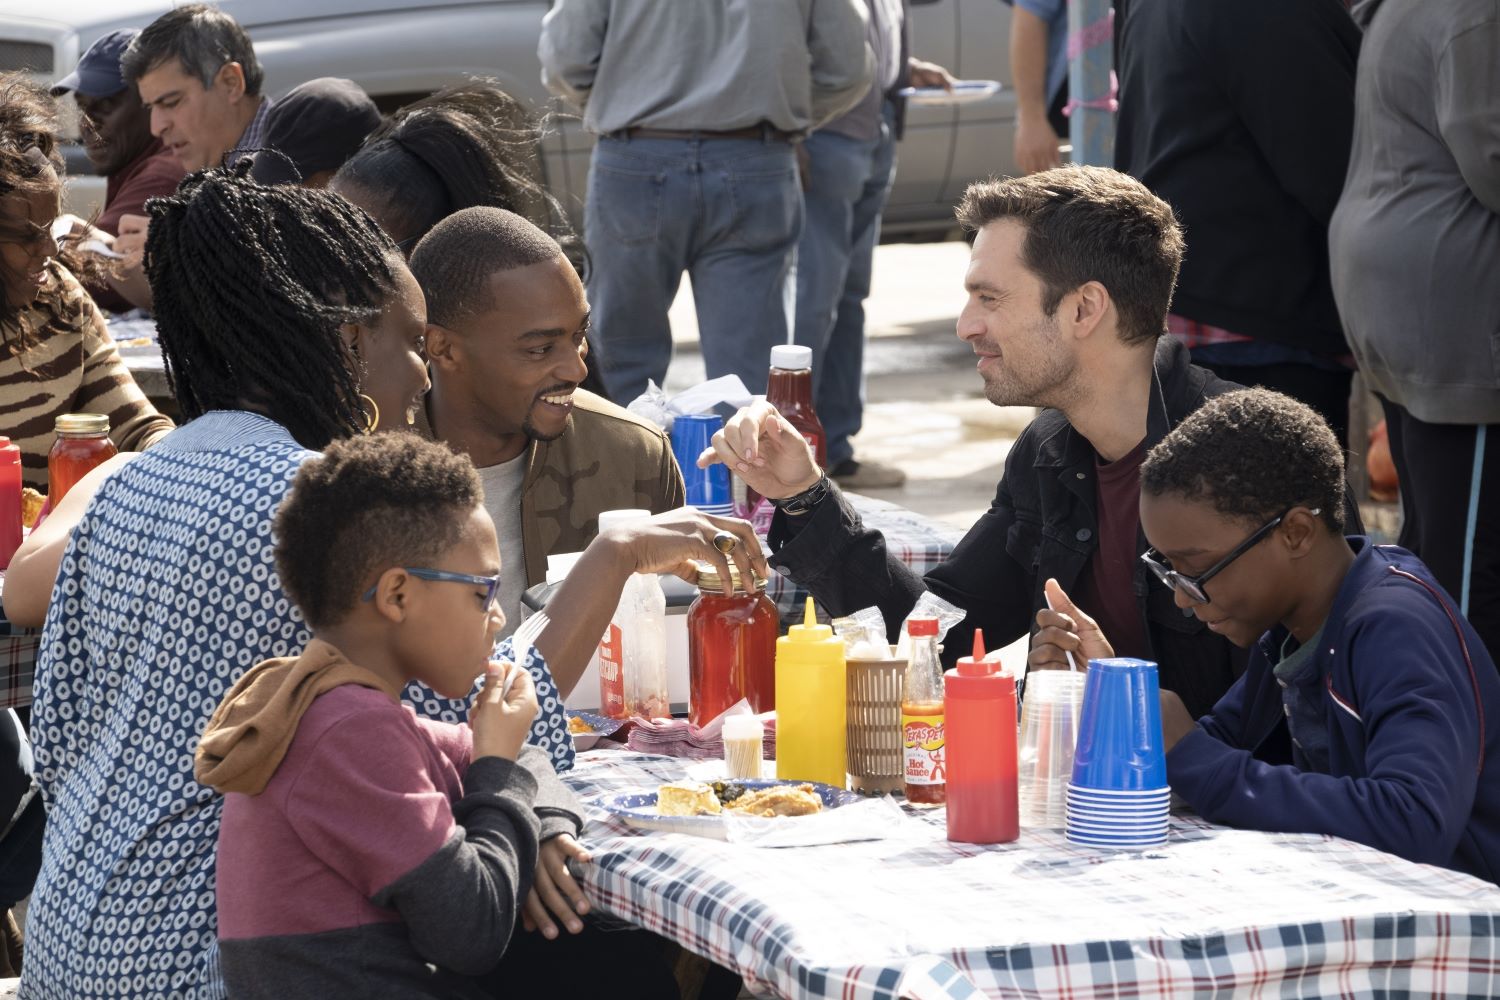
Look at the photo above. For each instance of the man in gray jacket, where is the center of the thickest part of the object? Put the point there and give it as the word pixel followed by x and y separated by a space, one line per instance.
pixel 1415 246
pixel 697 107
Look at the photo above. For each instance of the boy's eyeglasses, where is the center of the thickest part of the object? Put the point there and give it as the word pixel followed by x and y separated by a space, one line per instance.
pixel 490 583
pixel 1192 586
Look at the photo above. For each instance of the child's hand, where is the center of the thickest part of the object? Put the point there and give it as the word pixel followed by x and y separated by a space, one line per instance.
pixel 500 724
pixel 1176 720
pixel 555 893
pixel 1064 629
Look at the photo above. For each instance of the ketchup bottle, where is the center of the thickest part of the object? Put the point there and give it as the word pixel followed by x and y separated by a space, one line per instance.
pixel 790 390
pixel 980 731
pixel 10 501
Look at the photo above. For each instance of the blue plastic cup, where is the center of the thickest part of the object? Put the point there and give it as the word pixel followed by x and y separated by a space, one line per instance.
pixel 706 488
pixel 1119 728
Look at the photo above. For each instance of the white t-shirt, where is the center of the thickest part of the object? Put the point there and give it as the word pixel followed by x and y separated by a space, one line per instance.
pixel 502 498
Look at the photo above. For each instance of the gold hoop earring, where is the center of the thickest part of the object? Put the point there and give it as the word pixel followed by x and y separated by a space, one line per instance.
pixel 372 421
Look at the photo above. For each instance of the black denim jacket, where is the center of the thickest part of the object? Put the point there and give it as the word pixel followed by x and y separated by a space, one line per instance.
pixel 1041 524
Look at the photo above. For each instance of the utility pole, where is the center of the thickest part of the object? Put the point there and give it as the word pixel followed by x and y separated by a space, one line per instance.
pixel 1091 91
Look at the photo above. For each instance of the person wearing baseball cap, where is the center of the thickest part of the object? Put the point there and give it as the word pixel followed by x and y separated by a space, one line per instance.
pixel 116 132
pixel 312 131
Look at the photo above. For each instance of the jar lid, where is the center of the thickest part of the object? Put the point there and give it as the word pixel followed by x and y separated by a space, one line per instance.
pixel 709 582
pixel 82 423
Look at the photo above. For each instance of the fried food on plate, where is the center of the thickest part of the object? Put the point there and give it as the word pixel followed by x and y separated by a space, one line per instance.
pixel 778 800
pixel 687 798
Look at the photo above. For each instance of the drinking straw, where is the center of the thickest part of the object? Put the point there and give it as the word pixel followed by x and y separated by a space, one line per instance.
pixel 1072 663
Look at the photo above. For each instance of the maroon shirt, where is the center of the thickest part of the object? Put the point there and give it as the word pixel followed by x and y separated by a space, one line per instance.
pixel 1107 586
pixel 153 174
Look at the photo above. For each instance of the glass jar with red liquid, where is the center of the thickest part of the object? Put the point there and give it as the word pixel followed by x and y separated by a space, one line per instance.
pixel 731 646
pixel 82 443
pixel 790 390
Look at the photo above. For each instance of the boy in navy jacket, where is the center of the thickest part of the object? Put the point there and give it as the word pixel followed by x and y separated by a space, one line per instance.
pixel 1392 700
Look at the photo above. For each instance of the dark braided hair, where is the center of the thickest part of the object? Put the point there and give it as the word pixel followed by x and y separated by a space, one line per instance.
pixel 1251 454
pixel 250 286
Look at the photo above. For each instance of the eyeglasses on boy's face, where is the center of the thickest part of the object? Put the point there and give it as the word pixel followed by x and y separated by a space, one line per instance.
pixel 1192 586
pixel 490 583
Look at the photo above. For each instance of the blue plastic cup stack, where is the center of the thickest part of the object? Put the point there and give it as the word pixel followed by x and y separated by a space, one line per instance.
pixel 1119 797
pixel 707 489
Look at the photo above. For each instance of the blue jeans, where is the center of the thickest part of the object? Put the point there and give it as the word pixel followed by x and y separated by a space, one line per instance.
pixel 850 182
pixel 726 211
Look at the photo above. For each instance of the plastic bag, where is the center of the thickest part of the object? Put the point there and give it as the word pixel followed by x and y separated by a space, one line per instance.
pixel 864 635
pixel 929 605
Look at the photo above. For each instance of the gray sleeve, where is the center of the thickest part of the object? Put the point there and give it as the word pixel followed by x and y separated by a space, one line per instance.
pixel 555 804
pixel 843 65
pixel 1468 108
pixel 461 903
pixel 571 44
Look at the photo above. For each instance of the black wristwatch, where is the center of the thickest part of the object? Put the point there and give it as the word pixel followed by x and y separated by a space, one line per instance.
pixel 804 502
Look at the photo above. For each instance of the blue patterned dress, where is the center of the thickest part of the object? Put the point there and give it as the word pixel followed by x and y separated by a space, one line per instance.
pixel 166 595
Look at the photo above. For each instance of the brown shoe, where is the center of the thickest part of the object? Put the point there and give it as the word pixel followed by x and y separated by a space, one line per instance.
pixel 852 474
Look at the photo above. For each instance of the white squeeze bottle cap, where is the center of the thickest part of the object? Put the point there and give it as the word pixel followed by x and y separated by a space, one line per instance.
pixel 791 357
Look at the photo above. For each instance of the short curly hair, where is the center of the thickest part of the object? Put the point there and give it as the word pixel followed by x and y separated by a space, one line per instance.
pixel 1251 454
pixel 367 504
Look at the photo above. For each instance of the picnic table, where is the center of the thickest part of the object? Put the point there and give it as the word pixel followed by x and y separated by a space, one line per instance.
pixel 1216 911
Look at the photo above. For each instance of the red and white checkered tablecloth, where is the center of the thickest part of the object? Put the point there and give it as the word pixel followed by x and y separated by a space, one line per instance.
pixel 916 540
pixel 1219 912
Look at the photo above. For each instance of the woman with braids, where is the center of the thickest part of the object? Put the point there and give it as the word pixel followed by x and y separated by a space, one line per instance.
pixel 56 355
pixel 287 321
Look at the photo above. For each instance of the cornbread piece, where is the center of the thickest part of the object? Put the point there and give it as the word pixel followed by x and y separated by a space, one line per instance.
pixel 778 800
pixel 687 798
pixel 577 725
pixel 31 506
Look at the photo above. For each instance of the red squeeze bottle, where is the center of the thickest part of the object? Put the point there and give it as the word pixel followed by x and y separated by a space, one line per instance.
pixel 10 501
pixel 980 709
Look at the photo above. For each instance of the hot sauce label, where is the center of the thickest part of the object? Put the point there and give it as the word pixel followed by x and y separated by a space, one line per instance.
pixel 611 676
pixel 922 740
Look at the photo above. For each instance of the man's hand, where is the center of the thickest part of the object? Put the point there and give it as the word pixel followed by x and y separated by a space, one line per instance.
pixel 1064 629
pixel 1176 720
pixel 672 541
pixel 1036 145
pixel 131 242
pixel 765 451
pixel 926 74
pixel 555 893
pixel 500 725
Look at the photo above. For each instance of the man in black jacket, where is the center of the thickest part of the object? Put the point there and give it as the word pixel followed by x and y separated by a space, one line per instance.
pixel 1241 114
pixel 1068 285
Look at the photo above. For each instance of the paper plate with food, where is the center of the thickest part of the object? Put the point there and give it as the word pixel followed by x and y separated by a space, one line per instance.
pixel 706 809
pixel 586 728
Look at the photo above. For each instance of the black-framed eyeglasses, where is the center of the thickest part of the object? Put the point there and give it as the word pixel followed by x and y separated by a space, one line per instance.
pixel 1192 586
pixel 490 583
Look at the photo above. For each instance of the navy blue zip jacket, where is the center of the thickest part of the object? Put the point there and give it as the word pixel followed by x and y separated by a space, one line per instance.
pixel 1411 700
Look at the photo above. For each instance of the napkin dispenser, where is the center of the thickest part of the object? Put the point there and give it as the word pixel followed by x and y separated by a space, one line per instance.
pixel 680 596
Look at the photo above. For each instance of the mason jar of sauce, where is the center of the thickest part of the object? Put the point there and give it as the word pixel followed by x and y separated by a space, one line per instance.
pixel 82 443
pixel 731 646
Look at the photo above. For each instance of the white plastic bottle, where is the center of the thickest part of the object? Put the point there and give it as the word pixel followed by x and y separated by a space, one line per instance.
pixel 633 650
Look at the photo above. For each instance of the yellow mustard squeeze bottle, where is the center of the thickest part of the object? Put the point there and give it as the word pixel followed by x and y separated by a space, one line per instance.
pixel 810 683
